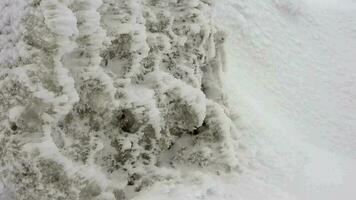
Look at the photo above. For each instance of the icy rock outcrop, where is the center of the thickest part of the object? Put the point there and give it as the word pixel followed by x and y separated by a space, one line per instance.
pixel 97 95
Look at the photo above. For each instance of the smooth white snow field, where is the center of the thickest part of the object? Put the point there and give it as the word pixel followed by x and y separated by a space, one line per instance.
pixel 292 79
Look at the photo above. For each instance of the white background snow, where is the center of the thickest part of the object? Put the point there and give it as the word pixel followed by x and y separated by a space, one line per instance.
pixel 293 73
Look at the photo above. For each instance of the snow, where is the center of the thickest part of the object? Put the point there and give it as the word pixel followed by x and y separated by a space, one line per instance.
pixel 11 28
pixel 302 69
pixel 290 77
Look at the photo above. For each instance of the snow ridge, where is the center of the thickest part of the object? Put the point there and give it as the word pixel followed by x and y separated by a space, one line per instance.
pixel 105 95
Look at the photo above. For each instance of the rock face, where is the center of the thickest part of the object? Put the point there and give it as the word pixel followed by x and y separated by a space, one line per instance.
pixel 96 96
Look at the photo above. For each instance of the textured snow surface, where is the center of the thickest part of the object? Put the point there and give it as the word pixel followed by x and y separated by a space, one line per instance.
pixel 100 99
pixel 114 98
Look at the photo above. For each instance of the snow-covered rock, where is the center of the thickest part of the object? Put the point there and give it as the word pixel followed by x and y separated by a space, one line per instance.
pixel 98 96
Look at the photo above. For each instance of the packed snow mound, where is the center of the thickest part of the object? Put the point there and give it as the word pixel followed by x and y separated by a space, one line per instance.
pixel 97 97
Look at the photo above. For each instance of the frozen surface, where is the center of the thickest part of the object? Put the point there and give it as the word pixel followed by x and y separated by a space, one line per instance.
pixel 291 79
